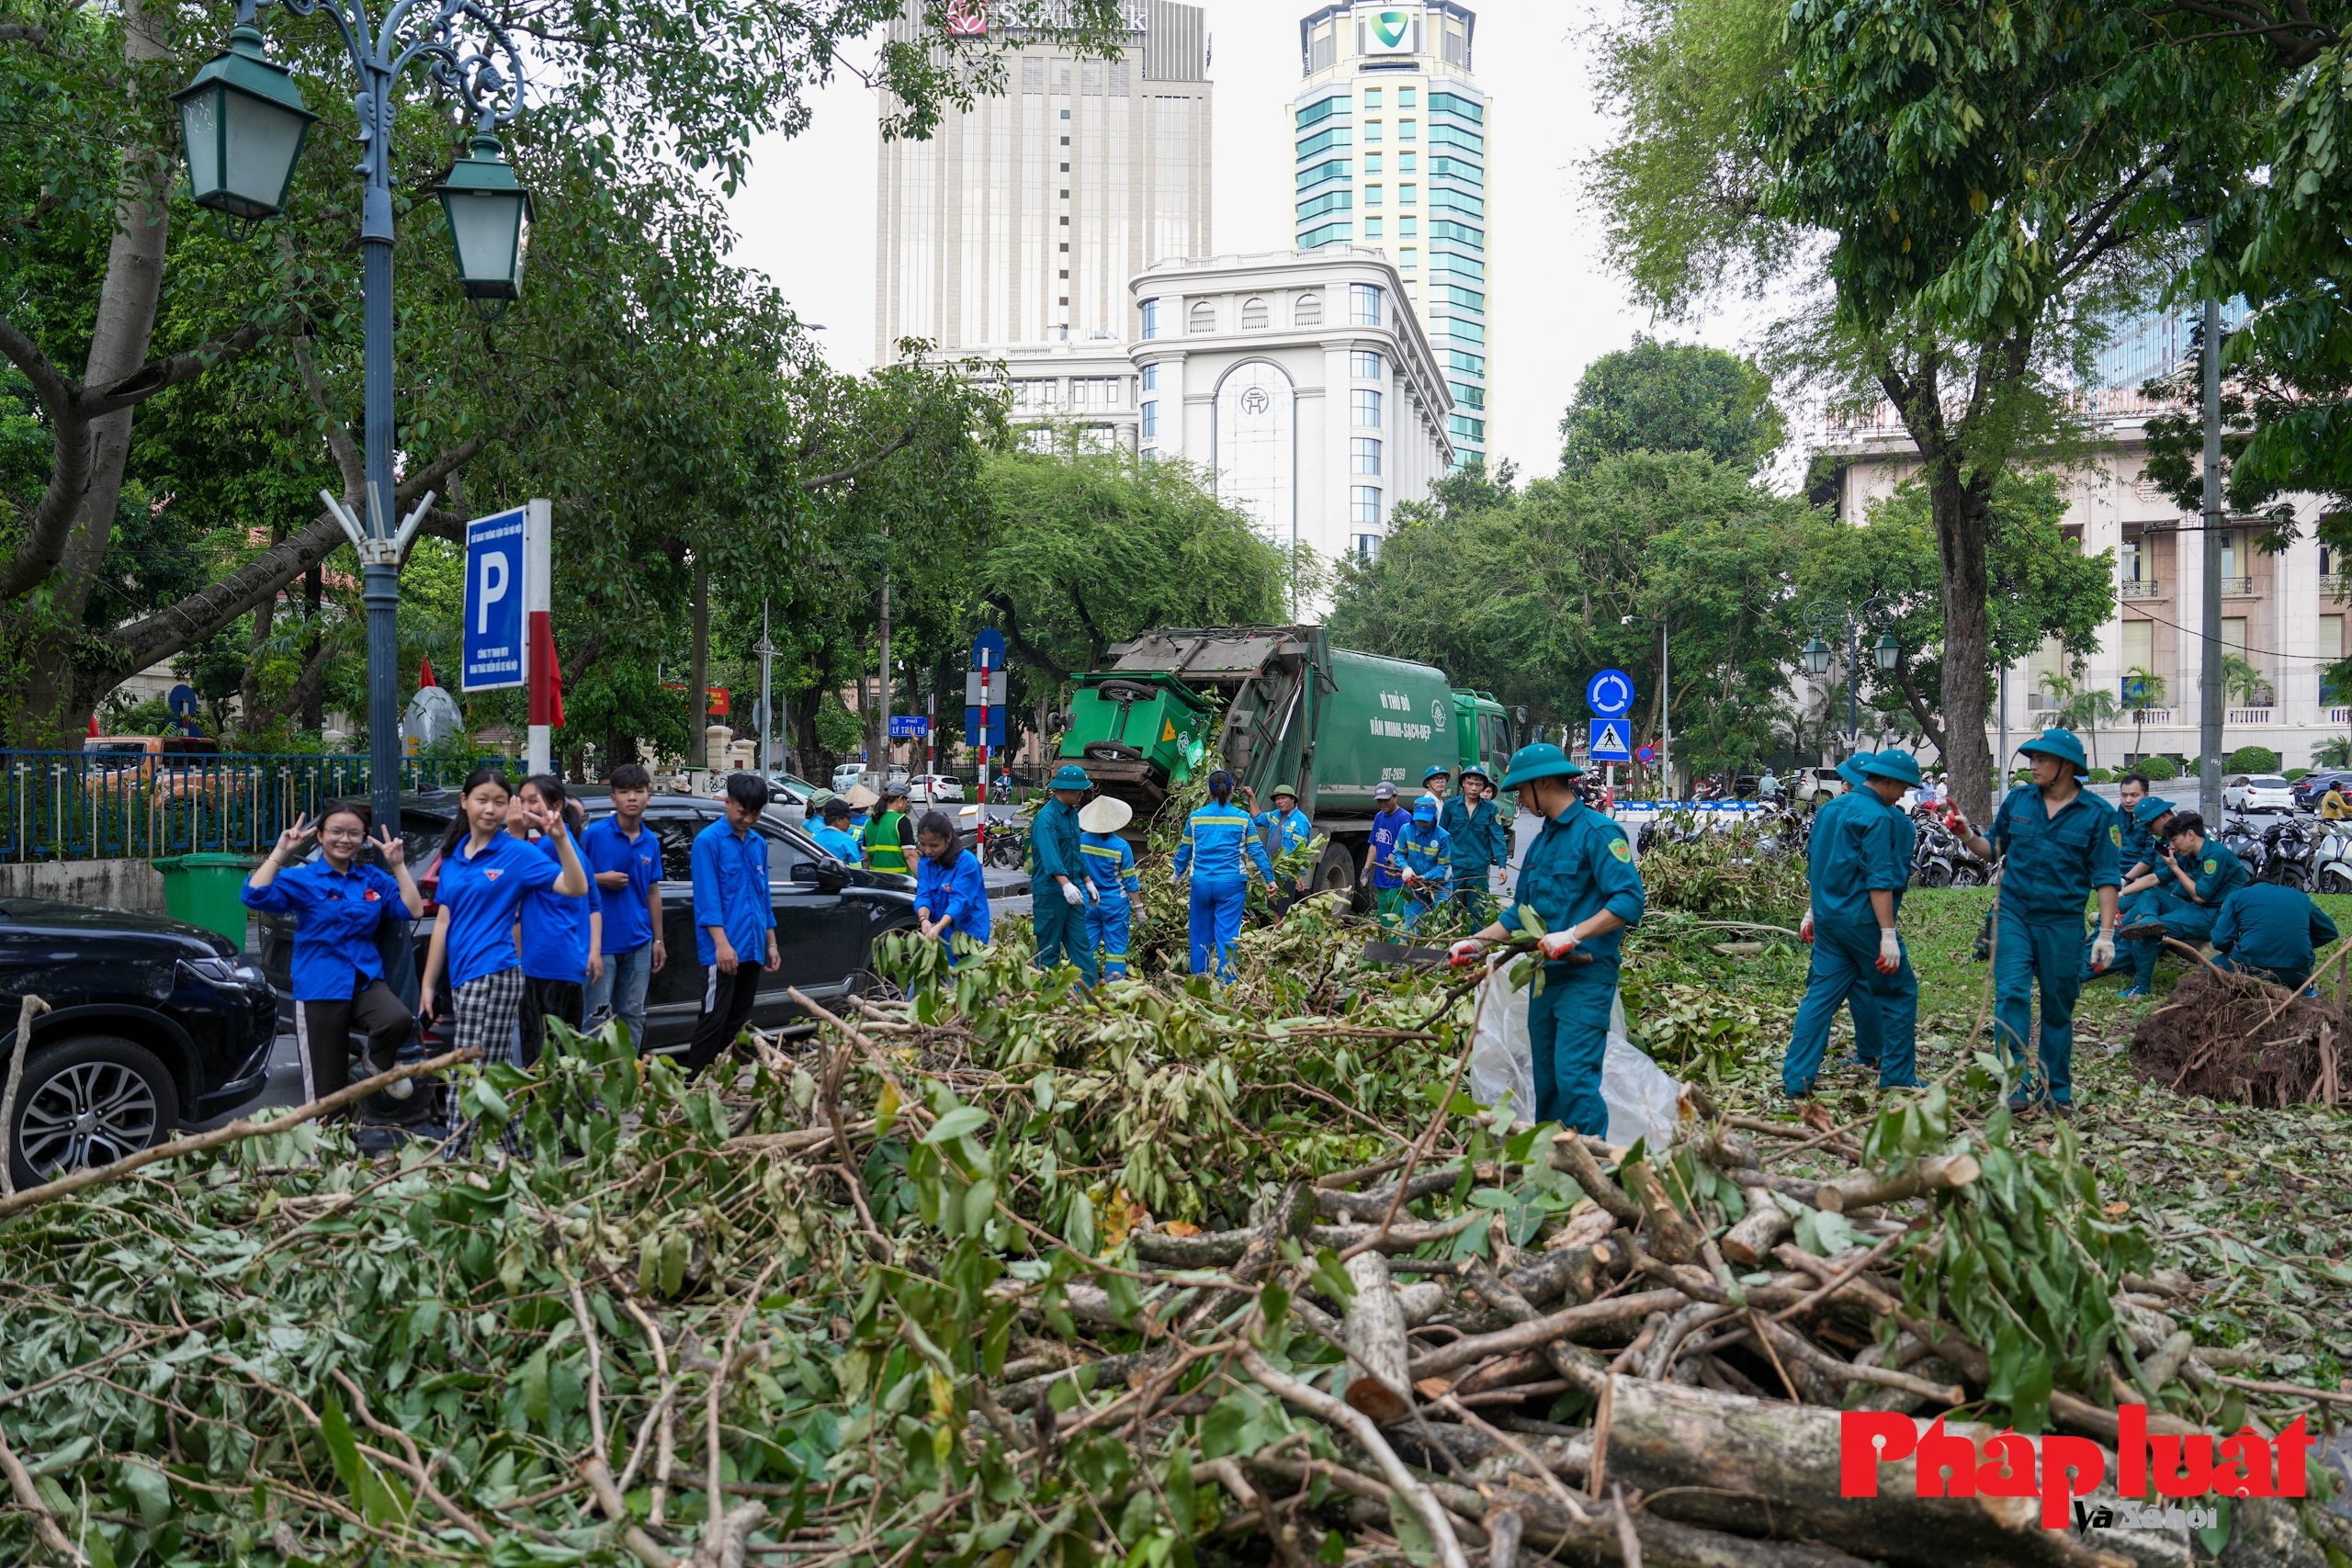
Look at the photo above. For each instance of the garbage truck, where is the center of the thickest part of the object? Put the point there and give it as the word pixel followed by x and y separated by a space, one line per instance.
pixel 1283 706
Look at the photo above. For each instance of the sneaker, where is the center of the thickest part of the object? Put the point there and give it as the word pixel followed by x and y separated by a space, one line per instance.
pixel 2147 931
pixel 2135 991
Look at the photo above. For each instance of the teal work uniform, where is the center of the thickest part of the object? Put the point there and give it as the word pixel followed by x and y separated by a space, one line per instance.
pixel 2051 865
pixel 1479 845
pixel 1870 1033
pixel 2218 872
pixel 2142 852
pixel 1111 868
pixel 1060 925
pixel 1857 847
pixel 1424 850
pixel 1215 855
pixel 1579 866
pixel 2272 931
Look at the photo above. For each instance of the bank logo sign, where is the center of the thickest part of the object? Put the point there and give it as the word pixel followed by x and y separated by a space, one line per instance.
pixel 1391 32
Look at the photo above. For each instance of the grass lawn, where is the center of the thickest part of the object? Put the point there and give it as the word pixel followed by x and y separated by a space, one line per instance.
pixel 2255 1202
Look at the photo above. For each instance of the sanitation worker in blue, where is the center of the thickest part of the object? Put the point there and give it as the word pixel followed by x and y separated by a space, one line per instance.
pixel 1578 877
pixel 1427 857
pixel 1477 844
pixel 1858 869
pixel 2182 898
pixel 2271 931
pixel 1058 877
pixel 1111 873
pixel 1215 857
pixel 1285 829
pixel 2060 843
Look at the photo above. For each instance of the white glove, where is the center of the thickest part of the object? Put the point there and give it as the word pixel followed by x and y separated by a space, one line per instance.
pixel 1499 880
pixel 1134 920
pixel 1557 945
pixel 1890 951
pixel 2102 951
pixel 1805 927
pixel 1466 950
pixel 1071 896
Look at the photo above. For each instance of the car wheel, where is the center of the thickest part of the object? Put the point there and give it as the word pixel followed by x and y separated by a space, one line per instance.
pixel 1336 873
pixel 89 1102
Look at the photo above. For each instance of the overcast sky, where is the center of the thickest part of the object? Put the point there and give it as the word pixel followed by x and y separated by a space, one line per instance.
pixel 806 214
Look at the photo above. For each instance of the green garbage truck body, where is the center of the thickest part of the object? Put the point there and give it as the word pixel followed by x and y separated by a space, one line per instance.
pixel 1334 722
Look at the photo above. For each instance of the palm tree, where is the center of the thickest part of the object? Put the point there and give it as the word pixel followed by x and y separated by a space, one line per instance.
pixel 2086 710
pixel 2241 680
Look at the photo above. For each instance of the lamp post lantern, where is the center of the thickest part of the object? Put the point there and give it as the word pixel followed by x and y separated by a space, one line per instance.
pixel 245 124
pixel 1826 619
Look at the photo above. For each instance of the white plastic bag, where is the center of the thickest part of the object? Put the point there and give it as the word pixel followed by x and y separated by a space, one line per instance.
pixel 1642 1102
pixel 1502 1063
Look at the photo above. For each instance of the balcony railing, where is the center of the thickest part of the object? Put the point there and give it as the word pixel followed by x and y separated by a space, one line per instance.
pixel 2335 584
pixel 2140 588
pixel 2246 716
pixel 2152 715
pixel 2237 585
pixel 2339 716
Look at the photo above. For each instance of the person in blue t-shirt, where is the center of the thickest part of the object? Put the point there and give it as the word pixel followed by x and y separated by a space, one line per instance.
pixel 561 935
pixel 734 919
pixel 483 874
pixel 339 905
pixel 1380 868
pixel 951 897
pixel 624 858
pixel 833 836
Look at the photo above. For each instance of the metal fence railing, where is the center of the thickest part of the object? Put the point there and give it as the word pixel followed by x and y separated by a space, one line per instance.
pixel 107 805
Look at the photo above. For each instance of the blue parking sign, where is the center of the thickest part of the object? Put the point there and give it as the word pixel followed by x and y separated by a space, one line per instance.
pixel 494 656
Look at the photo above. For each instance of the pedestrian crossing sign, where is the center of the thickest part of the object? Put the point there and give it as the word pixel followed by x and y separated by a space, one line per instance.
pixel 1610 741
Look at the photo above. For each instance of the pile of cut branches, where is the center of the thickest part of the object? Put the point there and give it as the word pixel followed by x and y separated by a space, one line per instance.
pixel 2239 1039
pixel 1003 1275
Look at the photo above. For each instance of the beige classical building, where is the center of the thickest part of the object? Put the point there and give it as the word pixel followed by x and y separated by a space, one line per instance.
pixel 2283 613
pixel 1020 220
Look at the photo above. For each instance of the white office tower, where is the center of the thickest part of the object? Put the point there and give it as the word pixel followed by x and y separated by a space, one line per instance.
pixel 1390 135
pixel 1022 220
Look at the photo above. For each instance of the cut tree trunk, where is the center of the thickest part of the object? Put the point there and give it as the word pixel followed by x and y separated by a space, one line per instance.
pixel 1374 1331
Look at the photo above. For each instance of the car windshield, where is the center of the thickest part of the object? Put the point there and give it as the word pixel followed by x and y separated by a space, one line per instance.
pixel 2266 782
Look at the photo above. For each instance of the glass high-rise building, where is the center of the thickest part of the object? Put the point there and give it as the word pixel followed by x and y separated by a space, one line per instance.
pixel 1390 140
pixel 1021 220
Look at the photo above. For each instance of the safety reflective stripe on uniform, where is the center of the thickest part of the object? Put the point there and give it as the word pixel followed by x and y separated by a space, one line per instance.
pixel 302 1049
pixel 1098 849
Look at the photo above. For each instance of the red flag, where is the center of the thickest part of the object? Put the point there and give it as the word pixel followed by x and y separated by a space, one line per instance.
pixel 547 676
pixel 424 676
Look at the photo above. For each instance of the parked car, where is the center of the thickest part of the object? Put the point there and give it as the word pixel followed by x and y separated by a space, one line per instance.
pixel 2258 792
pixel 2312 785
pixel 1812 784
pixel 154 1023
pixel 790 795
pixel 934 789
pixel 847 776
pixel 827 914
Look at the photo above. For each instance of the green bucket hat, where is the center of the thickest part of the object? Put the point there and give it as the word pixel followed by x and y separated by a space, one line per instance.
pixel 1436 773
pixel 1897 764
pixel 1540 761
pixel 1477 770
pixel 1071 776
pixel 2062 743
pixel 2150 810
pixel 1851 769
pixel 1283 789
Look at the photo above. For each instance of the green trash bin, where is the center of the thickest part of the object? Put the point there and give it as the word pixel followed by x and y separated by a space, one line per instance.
pixel 202 890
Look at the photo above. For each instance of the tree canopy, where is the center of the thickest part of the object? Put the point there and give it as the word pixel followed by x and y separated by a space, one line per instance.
pixel 1671 397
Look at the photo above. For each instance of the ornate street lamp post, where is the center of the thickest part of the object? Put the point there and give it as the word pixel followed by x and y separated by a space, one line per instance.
pixel 1826 619
pixel 245 123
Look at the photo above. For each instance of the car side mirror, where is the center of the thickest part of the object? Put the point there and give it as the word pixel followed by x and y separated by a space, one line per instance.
pixel 804 871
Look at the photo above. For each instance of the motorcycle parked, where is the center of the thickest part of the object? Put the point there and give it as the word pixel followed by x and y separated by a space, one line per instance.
pixel 1940 859
pixel 2289 854
pixel 2332 858
pixel 2247 844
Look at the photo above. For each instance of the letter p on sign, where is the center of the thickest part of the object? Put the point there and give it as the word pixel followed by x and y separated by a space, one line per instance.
pixel 493 589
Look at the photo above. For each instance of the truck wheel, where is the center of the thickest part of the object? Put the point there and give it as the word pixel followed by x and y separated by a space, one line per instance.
pixel 1336 871
pixel 89 1102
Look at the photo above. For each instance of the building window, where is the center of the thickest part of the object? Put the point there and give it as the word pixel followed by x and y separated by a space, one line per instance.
pixel 1371 228
pixel 1474 429
pixel 1372 163
pixel 1407 130
pixel 1363 364
pixel 1457 46
pixel 1468 395
pixel 1408 161
pixel 1372 195
pixel 1372 97
pixel 1363 455
pixel 1151 420
pixel 1321 109
pixel 1151 320
pixel 1412 291
pixel 1408 226
pixel 1451 103
pixel 1094 391
pixel 1322 172
pixel 1338 136
pixel 1365 408
pixel 1326 234
pixel 1408 259
pixel 1319 48
pixel 1204 317
pixel 1371 130
pixel 1339 200
pixel 1406 197
pixel 1363 304
pixel 1253 315
pixel 1363 503
pixel 1367 548
pixel 1064 113
pixel 1406 96
pixel 1151 377
pixel 1308 311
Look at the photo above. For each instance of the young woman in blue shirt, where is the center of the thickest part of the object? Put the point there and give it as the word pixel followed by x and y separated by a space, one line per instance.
pixel 485 871
pixel 562 935
pixel 339 906
pixel 951 897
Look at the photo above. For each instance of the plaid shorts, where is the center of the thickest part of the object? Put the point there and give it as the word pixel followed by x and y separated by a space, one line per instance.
pixel 487 1008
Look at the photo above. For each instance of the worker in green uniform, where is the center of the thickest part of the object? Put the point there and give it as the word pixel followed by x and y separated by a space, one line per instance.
pixel 2060 842
pixel 1860 999
pixel 889 838
pixel 2145 837
pixel 2182 898
pixel 2271 931
pixel 1579 880
pixel 1860 865
pixel 1477 843
pixel 1057 879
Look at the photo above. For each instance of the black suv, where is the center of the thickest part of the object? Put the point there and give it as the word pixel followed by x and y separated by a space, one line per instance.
pixel 827 914
pixel 154 1021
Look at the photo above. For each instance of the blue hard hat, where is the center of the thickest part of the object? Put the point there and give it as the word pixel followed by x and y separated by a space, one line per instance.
pixel 1540 761
pixel 1897 764
pixel 2062 743
pixel 1069 775
pixel 1425 809
pixel 1851 769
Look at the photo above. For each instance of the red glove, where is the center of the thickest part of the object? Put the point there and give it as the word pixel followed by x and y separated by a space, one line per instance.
pixel 1557 945
pixel 1805 927
pixel 1466 950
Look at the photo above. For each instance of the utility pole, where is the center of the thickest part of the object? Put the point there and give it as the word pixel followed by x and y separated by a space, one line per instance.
pixel 766 651
pixel 2001 761
pixel 2209 695
pixel 1665 713
pixel 698 683
pixel 883 719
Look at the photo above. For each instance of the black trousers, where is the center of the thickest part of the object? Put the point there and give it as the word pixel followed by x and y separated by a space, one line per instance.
pixel 322 1036
pixel 543 999
pixel 726 1004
